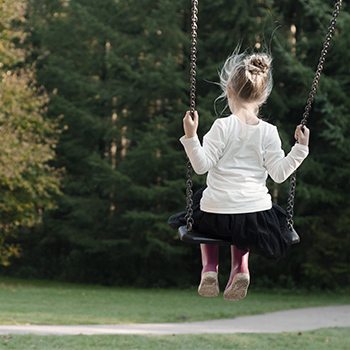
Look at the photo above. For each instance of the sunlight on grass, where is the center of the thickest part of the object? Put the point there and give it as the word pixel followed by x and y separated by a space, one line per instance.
pixel 38 302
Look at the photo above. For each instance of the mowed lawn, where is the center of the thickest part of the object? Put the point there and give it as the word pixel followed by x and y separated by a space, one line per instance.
pixel 323 339
pixel 41 302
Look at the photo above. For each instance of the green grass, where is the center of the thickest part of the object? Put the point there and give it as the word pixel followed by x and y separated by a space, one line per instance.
pixel 330 339
pixel 36 302
pixel 40 302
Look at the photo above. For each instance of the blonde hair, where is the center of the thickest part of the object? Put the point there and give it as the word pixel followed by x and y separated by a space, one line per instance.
pixel 248 76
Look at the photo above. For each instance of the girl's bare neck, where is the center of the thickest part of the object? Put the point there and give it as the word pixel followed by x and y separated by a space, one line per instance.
pixel 247 116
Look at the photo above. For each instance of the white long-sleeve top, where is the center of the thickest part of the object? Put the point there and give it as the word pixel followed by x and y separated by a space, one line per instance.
pixel 238 158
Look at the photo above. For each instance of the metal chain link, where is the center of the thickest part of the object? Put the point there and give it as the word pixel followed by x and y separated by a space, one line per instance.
pixel 193 65
pixel 291 197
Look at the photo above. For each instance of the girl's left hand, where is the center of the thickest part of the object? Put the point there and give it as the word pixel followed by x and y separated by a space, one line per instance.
pixel 302 135
pixel 190 125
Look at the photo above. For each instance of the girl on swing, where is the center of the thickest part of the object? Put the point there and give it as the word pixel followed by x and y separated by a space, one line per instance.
pixel 239 152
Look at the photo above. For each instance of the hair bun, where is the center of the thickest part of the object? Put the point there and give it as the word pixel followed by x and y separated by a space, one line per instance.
pixel 258 64
pixel 247 76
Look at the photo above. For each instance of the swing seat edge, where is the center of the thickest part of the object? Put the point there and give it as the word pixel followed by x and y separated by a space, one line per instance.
pixel 194 237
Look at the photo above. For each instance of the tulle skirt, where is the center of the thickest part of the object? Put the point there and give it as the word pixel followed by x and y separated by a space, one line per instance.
pixel 265 232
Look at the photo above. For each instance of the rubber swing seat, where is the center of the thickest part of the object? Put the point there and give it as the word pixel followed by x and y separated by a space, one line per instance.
pixel 193 237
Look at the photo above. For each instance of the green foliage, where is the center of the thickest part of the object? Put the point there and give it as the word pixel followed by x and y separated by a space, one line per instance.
pixel 96 61
pixel 27 139
pixel 322 203
pixel 117 76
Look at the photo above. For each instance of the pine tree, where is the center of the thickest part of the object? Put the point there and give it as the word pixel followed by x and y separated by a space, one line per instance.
pixel 323 203
pixel 116 77
pixel 321 195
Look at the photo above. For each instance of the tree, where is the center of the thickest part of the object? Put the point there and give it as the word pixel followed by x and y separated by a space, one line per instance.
pixel 322 204
pixel 27 139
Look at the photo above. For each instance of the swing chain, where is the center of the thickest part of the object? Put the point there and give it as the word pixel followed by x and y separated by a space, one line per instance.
pixel 321 62
pixel 193 59
pixel 290 203
pixel 189 195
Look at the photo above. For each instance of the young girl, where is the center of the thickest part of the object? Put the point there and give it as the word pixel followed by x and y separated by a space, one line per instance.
pixel 239 152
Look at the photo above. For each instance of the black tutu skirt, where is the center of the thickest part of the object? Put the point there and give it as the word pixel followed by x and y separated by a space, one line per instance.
pixel 265 232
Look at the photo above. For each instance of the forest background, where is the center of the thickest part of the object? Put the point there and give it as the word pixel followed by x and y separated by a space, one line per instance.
pixel 92 99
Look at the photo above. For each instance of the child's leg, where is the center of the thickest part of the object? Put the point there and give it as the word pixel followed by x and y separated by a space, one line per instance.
pixel 238 283
pixel 209 286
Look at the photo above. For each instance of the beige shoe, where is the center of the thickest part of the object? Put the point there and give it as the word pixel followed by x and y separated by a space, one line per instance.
pixel 237 290
pixel 209 286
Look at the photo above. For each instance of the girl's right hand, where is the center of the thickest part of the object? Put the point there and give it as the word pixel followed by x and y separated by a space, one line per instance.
pixel 190 125
pixel 302 135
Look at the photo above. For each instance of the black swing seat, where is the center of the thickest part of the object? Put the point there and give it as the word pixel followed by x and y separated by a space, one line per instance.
pixel 194 237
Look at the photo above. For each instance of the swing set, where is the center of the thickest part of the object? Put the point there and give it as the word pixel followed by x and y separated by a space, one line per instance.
pixel 186 232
